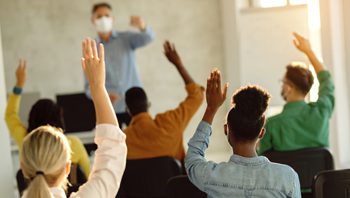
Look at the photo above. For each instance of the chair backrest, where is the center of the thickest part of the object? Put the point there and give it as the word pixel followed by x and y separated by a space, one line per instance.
pixel 181 186
pixel 329 184
pixel 78 112
pixel 148 177
pixel 306 162
pixel 76 177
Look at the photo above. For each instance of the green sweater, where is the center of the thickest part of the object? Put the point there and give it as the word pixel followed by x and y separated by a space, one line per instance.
pixel 301 124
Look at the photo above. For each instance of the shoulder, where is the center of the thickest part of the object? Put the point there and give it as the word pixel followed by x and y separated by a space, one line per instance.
pixel 73 140
pixel 273 120
pixel 282 169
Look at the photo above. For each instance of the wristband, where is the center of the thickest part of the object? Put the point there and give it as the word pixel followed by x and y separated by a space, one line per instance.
pixel 17 90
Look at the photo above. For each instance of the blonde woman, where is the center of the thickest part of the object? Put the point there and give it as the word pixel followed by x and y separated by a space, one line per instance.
pixel 43 112
pixel 46 158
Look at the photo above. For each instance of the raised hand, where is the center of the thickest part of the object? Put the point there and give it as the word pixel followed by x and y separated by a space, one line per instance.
pixel 302 43
pixel 93 63
pixel 137 21
pixel 215 93
pixel 171 53
pixel 21 73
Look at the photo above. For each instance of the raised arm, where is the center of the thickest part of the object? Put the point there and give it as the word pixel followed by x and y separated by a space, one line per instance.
pixel 94 68
pixel 304 46
pixel 326 99
pixel 172 55
pixel 142 38
pixel 110 159
pixel 13 122
pixel 196 165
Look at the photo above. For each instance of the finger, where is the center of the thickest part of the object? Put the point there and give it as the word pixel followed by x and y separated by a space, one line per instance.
pixel 94 48
pixel 82 60
pixel 295 42
pixel 101 52
pixel 89 49
pixel 85 49
pixel 24 64
pixel 173 47
pixel 168 46
pixel 165 45
pixel 224 90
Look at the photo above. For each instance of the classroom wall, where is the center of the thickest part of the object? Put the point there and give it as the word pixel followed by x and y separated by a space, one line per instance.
pixel 6 179
pixel 48 34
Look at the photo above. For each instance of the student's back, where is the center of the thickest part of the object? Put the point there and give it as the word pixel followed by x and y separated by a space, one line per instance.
pixel 251 177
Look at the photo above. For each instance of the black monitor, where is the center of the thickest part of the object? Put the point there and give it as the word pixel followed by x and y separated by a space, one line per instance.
pixel 78 112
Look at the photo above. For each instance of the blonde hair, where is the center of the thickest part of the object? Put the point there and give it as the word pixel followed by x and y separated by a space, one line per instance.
pixel 44 156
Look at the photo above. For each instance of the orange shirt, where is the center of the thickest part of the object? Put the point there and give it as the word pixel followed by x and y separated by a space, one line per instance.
pixel 163 136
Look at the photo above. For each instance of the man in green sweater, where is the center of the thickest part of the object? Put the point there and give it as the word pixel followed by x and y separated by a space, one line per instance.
pixel 301 124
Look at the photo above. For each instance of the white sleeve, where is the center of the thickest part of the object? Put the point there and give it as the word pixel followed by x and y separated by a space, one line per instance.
pixel 109 164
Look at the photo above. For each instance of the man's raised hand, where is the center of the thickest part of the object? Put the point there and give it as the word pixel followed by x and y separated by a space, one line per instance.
pixel 301 43
pixel 171 54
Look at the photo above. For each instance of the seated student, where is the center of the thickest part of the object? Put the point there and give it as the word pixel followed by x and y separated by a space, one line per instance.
pixel 46 154
pixel 301 125
pixel 246 174
pixel 43 112
pixel 161 136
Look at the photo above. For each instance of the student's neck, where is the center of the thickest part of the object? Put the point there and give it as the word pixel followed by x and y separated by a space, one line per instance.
pixel 296 98
pixel 244 149
pixel 105 36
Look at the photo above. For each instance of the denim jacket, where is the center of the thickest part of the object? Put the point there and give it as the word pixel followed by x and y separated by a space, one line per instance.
pixel 240 176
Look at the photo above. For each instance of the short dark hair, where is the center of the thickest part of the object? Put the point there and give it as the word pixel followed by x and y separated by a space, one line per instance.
pixel 136 100
pixel 99 5
pixel 45 112
pixel 246 119
pixel 301 77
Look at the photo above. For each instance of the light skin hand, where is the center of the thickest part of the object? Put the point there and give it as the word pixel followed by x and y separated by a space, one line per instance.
pixel 301 43
pixel 304 46
pixel 21 73
pixel 137 21
pixel 114 97
pixel 215 95
pixel 94 68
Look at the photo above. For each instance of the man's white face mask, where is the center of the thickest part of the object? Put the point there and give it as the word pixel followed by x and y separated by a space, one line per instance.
pixel 104 24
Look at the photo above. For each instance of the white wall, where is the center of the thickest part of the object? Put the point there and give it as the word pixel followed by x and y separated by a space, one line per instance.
pixel 266 45
pixel 334 49
pixel 49 34
pixel 6 171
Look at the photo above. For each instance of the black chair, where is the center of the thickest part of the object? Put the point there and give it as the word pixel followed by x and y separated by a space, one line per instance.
pixel 306 162
pixel 181 186
pixel 76 178
pixel 329 184
pixel 148 177
pixel 78 112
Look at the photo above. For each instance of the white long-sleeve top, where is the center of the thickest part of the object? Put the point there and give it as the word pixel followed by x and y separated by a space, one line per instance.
pixel 109 165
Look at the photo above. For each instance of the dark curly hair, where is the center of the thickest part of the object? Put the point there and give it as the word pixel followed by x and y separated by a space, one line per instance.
pixel 246 119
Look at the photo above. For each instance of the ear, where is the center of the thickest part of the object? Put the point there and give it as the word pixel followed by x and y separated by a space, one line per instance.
pixel 262 133
pixel 67 168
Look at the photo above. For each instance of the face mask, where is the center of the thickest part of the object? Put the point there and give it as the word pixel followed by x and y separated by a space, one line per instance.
pixel 104 24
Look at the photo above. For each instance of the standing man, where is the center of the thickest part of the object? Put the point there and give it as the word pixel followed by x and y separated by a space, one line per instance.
pixel 121 71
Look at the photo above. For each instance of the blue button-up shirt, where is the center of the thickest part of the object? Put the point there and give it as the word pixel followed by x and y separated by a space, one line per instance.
pixel 241 176
pixel 121 71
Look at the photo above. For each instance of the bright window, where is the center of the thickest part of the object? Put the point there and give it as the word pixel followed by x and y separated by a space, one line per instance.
pixel 275 3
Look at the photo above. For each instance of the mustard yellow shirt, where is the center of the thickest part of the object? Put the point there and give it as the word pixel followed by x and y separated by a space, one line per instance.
pixel 163 135
pixel 18 132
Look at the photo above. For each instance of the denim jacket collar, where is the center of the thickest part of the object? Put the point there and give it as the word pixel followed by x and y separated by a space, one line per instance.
pixel 249 161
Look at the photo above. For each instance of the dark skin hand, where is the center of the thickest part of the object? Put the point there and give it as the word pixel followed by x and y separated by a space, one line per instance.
pixel 172 55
